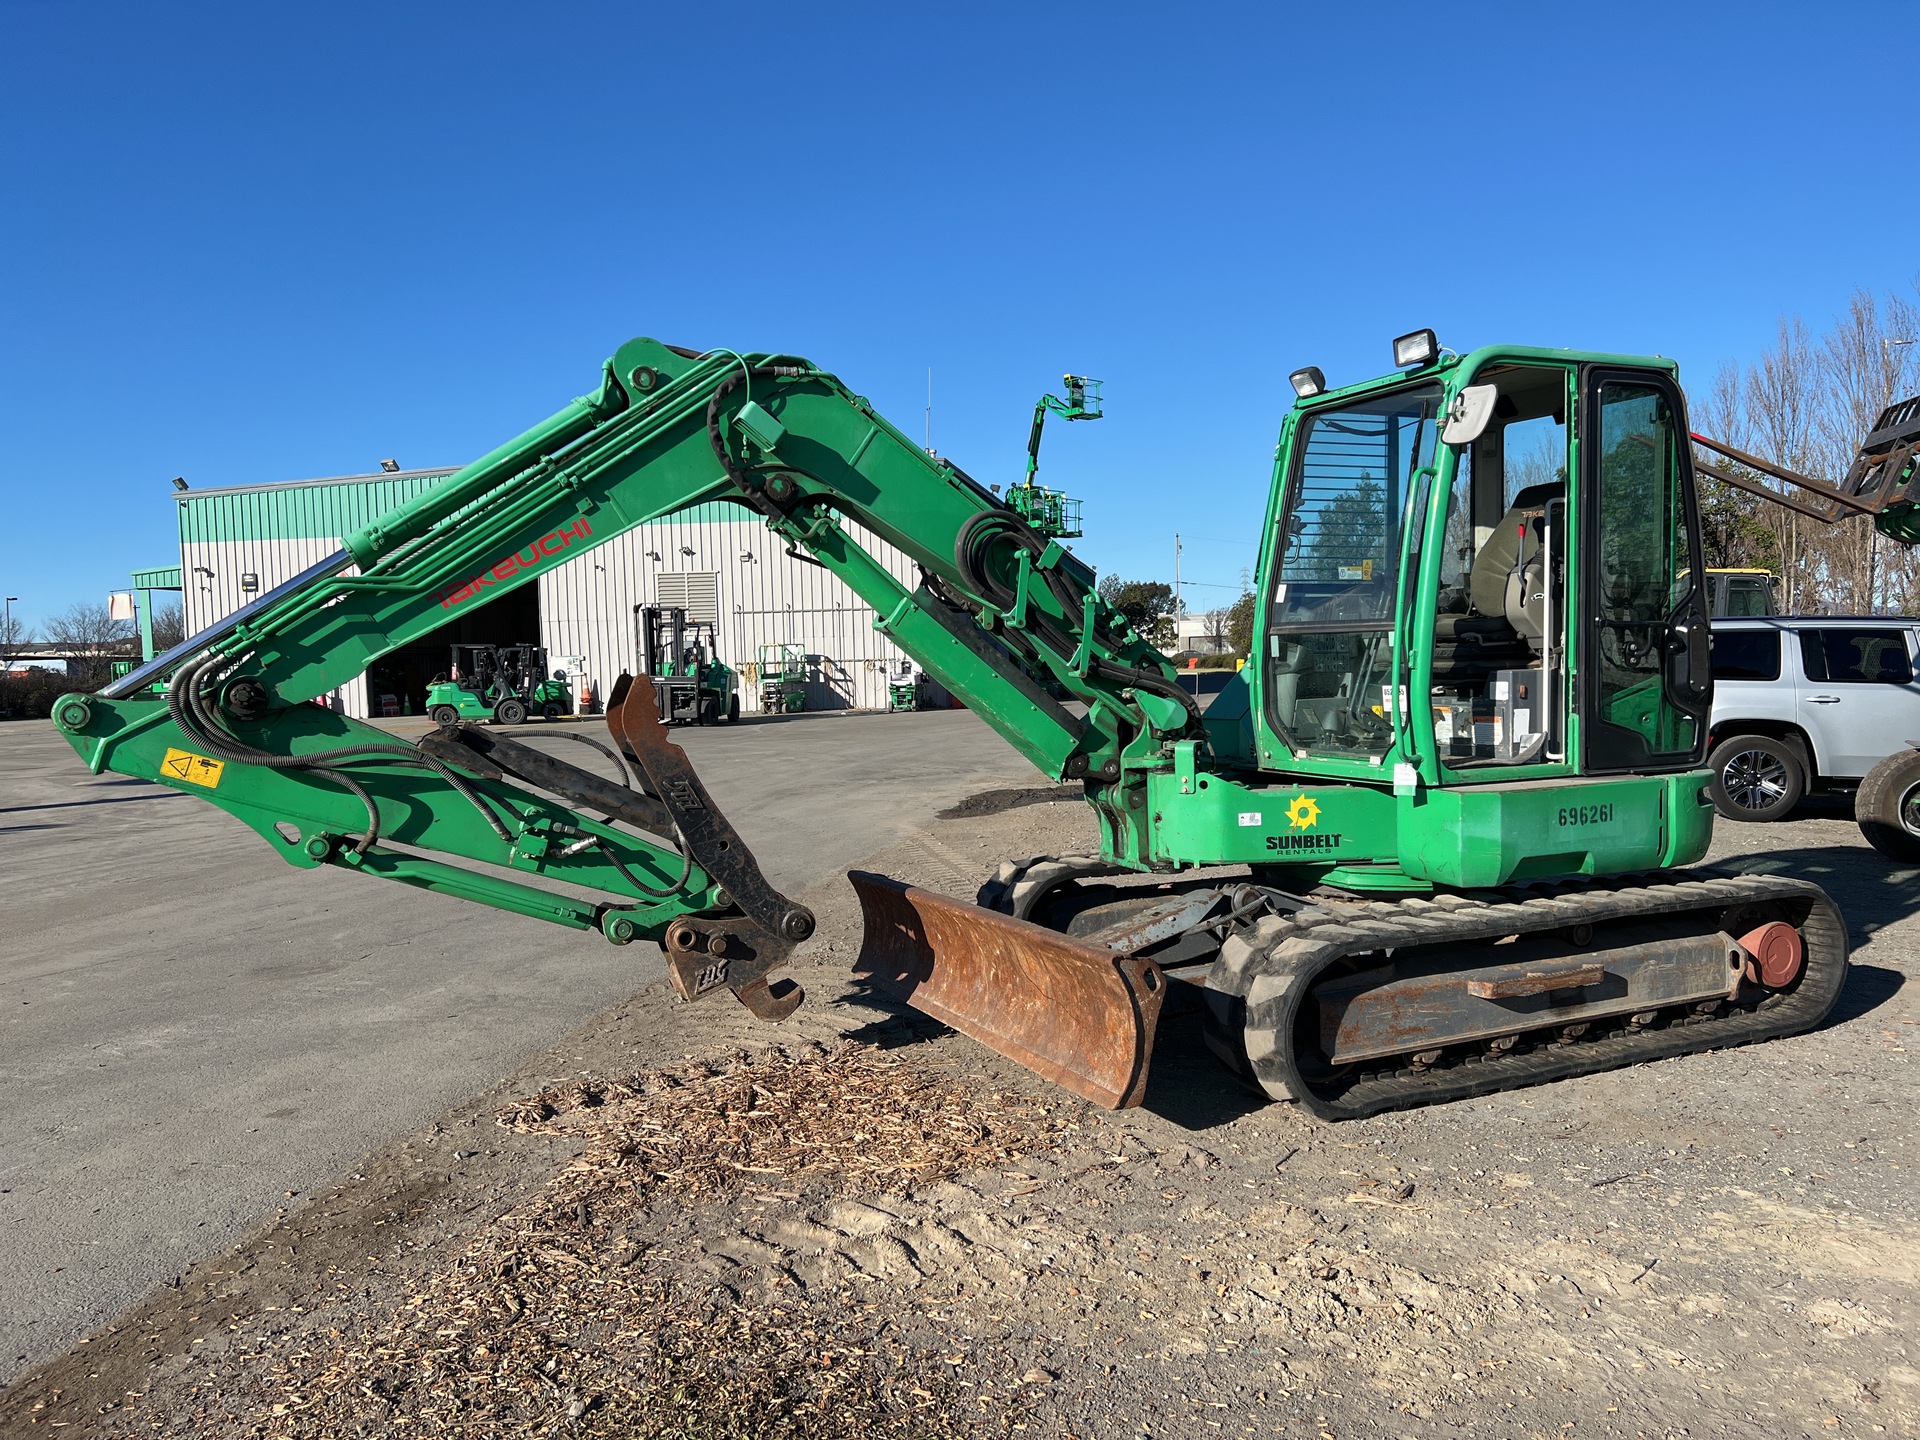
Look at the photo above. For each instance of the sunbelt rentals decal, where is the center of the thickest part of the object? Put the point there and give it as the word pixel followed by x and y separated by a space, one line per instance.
pixel 1303 829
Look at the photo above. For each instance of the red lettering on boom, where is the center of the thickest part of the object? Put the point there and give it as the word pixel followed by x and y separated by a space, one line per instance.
pixel 545 548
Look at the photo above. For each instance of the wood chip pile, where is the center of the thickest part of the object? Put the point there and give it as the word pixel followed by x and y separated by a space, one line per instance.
pixel 575 1314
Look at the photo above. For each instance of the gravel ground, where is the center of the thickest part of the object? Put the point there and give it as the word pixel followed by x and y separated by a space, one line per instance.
pixel 1715 1245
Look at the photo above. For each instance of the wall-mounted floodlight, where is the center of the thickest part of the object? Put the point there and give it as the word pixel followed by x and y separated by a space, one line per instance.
pixel 747 555
pixel 1422 347
pixel 654 555
pixel 390 466
pixel 1308 381
pixel 203 570
pixel 686 550
pixel 179 482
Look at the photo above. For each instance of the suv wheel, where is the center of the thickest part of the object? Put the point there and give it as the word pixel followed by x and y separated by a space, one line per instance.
pixel 1887 807
pixel 1755 778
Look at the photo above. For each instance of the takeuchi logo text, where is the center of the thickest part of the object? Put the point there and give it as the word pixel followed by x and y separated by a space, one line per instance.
pixel 527 558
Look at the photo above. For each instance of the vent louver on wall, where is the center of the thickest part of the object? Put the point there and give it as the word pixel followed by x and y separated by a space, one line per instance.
pixel 697 592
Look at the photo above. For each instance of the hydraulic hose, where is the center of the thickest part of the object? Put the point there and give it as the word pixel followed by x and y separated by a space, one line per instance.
pixel 187 707
pixel 970 554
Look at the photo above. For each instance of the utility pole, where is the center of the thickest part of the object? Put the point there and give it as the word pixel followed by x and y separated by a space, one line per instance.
pixel 929 440
pixel 6 666
pixel 1179 607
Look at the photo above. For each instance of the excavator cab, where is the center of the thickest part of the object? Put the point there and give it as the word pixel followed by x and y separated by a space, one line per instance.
pixel 1424 558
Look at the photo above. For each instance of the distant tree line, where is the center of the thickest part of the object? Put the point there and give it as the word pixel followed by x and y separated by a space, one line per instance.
pixel 86 631
pixel 1806 403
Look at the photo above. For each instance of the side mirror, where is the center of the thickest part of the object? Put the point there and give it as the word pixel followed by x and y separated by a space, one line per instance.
pixel 1467 417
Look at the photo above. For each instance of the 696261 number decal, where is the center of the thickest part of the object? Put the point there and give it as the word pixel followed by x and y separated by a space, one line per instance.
pixel 1585 814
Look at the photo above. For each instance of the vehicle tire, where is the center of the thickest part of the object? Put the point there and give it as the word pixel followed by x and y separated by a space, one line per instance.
pixel 733 710
pixel 1755 777
pixel 510 712
pixel 443 714
pixel 1887 807
pixel 550 710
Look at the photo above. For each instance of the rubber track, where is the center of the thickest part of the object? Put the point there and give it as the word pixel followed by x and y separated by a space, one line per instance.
pixel 1273 967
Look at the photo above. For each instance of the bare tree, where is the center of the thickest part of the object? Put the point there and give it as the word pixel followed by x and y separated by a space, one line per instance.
pixel 1807 403
pixel 1734 531
pixel 169 626
pixel 1866 369
pixel 1782 394
pixel 91 636
pixel 1219 625
pixel 14 632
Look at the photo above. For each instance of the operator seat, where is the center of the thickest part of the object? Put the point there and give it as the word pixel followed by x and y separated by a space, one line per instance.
pixel 1501 630
pixel 1509 572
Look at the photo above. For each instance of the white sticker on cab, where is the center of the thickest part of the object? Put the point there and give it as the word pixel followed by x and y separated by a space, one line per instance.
pixel 1249 817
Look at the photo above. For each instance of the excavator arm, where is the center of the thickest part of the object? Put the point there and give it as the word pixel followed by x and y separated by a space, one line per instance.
pixel 1005 618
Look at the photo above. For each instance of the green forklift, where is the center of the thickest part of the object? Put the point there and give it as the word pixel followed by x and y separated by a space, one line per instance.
pixel 682 658
pixel 504 684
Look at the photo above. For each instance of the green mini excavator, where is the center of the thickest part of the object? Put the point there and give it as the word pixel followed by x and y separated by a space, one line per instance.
pixel 1456 789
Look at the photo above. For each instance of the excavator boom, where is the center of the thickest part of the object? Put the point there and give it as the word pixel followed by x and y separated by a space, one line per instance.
pixel 1005 618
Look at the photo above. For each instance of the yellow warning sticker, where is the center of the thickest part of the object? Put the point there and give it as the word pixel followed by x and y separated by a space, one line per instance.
pixel 192 768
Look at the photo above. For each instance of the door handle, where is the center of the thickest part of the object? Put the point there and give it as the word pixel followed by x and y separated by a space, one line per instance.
pixel 1823 699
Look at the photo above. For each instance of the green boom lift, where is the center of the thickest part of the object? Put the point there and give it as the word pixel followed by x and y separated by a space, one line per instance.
pixel 1050 512
pixel 1460 776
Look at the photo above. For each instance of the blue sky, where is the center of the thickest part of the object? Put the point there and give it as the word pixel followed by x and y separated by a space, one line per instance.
pixel 253 243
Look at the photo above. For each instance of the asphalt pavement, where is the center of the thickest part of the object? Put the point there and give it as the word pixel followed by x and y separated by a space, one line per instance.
pixel 194 1031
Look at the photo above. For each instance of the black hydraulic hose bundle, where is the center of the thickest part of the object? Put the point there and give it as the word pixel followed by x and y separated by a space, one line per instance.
pixel 969 554
pixel 188 707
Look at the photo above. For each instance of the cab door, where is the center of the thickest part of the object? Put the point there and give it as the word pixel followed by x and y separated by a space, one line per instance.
pixel 1647 681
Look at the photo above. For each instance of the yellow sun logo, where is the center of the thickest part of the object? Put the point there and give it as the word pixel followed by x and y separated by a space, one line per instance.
pixel 1303 813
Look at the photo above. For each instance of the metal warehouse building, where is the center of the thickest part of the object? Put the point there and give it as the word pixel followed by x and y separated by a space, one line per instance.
pixel 717 561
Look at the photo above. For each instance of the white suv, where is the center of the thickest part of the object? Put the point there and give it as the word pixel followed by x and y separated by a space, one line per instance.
pixel 1807 702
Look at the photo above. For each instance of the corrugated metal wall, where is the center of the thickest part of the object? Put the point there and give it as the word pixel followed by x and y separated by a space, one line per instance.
pixel 208 597
pixel 765 598
pixel 586 605
pixel 299 509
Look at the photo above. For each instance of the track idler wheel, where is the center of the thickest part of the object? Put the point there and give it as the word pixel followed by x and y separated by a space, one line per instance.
pixel 1775 953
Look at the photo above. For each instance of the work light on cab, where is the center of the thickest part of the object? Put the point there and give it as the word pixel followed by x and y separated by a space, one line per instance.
pixel 1308 382
pixel 1419 348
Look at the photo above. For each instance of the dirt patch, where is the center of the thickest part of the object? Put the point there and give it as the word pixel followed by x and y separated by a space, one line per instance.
pixel 914 1236
pixel 587 1306
pixel 998 802
pixel 848 1119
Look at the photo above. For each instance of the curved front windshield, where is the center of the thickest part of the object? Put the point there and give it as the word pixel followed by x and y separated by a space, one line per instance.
pixel 1330 621
pixel 1346 501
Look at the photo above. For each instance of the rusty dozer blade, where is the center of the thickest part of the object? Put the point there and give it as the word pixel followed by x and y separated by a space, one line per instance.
pixel 1074 1014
